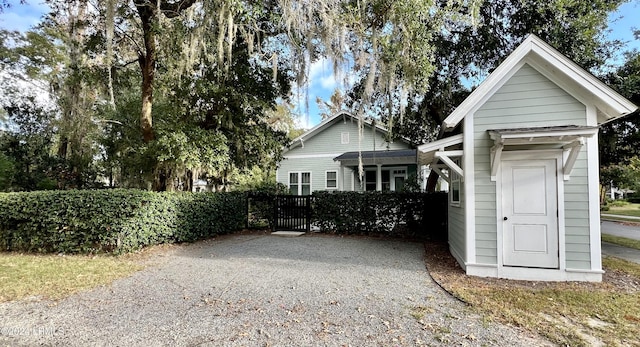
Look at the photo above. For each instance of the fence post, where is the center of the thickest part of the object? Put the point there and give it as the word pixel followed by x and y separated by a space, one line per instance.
pixel 308 213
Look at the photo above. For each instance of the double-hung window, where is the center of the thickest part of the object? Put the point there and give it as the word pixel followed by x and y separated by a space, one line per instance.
pixel 332 180
pixel 300 183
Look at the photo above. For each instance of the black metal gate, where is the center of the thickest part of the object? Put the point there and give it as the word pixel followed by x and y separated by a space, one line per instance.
pixel 292 212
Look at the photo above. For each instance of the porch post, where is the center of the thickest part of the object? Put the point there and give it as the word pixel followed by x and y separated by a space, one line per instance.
pixel 341 178
pixel 353 180
pixel 379 178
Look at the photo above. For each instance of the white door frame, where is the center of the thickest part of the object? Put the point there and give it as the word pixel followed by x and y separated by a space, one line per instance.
pixel 518 272
pixel 394 175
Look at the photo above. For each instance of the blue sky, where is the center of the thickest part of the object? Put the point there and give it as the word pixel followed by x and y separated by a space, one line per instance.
pixel 322 81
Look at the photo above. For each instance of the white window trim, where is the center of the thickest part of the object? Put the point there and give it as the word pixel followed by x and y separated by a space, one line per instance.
pixel 344 138
pixel 326 179
pixel 299 173
pixel 455 178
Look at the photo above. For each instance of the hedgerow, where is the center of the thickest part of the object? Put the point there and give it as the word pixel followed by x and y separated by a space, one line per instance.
pixel 381 213
pixel 118 220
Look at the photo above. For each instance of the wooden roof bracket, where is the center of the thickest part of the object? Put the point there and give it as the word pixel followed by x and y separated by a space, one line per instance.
pixel 496 153
pixel 444 156
pixel 574 149
pixel 437 168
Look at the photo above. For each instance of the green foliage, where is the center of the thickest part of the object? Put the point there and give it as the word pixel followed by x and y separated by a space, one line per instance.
pixel 617 203
pixel 7 171
pixel 467 54
pixel 261 202
pixel 119 220
pixel 619 139
pixel 381 213
pixel 634 199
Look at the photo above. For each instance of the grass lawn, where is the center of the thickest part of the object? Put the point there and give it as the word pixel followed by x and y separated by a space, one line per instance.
pixel 626 210
pixel 622 241
pixel 569 314
pixel 57 276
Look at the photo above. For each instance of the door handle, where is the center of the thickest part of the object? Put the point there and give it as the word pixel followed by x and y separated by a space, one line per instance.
pixel 505 218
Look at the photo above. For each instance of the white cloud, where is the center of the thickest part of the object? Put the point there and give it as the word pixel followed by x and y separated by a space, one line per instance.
pixel 22 17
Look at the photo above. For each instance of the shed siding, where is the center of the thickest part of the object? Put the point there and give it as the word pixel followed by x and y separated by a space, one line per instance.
pixel 577 215
pixel 529 99
pixel 457 230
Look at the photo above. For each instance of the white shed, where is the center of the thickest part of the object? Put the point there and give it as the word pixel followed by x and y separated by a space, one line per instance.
pixel 523 168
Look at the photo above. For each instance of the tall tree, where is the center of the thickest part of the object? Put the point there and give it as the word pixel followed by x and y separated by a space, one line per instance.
pixel 467 54
pixel 619 150
pixel 149 12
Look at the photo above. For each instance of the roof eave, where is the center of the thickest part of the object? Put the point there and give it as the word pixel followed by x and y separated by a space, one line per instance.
pixel 619 106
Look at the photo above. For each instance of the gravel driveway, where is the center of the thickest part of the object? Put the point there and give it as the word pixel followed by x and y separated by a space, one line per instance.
pixel 259 290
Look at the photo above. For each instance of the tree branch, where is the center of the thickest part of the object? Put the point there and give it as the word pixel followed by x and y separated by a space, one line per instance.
pixel 173 9
pixel 129 62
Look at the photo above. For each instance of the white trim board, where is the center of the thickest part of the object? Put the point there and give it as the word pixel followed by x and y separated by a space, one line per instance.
pixel 305 156
pixel 469 184
pixel 593 171
pixel 533 274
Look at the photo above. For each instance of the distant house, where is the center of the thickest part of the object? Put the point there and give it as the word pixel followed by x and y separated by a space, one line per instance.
pixel 327 157
pixel 523 168
pixel 200 186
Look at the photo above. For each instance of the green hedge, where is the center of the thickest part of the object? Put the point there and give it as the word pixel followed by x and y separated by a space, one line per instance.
pixel 381 213
pixel 119 220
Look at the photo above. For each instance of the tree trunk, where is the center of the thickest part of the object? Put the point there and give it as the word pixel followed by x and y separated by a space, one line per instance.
pixel 148 16
pixel 432 182
pixel 188 184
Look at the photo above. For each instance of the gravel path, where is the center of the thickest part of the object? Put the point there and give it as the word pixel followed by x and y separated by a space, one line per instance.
pixel 257 290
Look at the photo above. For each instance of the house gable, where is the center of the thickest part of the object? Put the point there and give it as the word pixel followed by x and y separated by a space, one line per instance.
pixel 329 138
pixel 314 151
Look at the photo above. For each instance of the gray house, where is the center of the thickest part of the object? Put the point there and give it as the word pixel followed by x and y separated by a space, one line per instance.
pixel 523 168
pixel 327 158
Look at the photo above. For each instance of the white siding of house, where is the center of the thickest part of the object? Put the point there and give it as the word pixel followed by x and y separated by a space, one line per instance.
pixel 318 152
pixel 317 167
pixel 529 99
pixel 329 140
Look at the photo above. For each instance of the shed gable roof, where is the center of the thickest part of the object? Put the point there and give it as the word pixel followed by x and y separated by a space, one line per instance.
pixel 556 67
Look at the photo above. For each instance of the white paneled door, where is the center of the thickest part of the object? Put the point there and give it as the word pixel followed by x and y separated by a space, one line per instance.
pixel 530 213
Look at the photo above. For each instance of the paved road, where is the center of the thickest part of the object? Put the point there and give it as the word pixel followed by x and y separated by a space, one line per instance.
pixel 620 229
pixel 629 254
pixel 252 290
pixel 619 216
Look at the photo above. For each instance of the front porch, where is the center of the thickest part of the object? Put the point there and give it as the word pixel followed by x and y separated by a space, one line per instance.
pixel 382 170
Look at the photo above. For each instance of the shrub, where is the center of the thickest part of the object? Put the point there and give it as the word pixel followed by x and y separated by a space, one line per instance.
pixel 634 199
pixel 618 203
pixel 381 213
pixel 119 220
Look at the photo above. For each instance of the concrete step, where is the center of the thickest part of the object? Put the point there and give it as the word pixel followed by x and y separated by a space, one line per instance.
pixel 288 233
